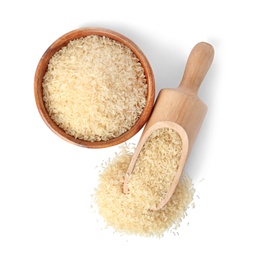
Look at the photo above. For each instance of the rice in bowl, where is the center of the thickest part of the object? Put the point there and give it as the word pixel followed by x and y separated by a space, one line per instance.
pixel 95 88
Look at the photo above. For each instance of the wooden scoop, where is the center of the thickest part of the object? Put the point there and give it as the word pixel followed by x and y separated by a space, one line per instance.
pixel 180 109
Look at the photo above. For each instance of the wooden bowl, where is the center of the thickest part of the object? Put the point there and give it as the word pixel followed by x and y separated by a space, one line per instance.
pixel 63 41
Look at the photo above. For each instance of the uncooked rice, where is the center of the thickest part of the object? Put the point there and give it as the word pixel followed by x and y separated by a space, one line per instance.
pixel 95 88
pixel 157 165
pixel 130 213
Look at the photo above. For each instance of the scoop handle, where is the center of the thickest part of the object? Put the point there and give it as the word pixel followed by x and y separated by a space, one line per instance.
pixel 198 64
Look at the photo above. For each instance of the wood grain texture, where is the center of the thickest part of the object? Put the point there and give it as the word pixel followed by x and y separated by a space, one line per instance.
pixel 180 109
pixel 63 41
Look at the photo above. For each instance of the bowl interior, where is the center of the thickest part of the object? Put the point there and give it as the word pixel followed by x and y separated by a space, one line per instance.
pixel 63 41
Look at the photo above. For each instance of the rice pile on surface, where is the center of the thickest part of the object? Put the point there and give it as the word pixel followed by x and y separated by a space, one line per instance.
pixel 95 88
pixel 130 213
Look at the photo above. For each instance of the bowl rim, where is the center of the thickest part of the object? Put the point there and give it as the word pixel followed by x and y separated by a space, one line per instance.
pixel 63 41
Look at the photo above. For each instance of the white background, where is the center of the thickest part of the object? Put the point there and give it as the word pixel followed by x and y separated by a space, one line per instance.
pixel 46 183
